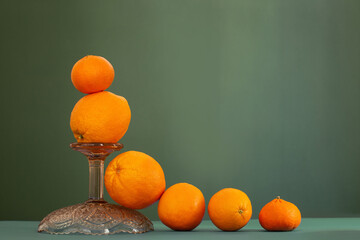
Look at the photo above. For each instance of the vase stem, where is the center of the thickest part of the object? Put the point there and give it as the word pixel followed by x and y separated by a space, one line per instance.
pixel 96 179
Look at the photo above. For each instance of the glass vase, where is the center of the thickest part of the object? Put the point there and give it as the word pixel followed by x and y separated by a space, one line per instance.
pixel 95 216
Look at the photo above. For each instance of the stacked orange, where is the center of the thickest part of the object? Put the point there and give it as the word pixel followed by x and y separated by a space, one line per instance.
pixel 132 179
pixel 100 116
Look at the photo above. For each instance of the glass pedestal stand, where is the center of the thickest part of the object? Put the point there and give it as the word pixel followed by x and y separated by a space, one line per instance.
pixel 95 216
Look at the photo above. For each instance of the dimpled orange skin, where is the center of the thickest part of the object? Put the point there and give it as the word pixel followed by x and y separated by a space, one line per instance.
pixel 182 207
pixel 100 117
pixel 92 74
pixel 280 215
pixel 134 180
pixel 230 209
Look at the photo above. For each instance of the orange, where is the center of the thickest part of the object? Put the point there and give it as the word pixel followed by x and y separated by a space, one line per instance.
pixel 134 180
pixel 100 117
pixel 92 74
pixel 230 209
pixel 182 207
pixel 279 215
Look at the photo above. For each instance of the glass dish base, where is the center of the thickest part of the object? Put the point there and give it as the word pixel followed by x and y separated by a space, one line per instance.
pixel 95 218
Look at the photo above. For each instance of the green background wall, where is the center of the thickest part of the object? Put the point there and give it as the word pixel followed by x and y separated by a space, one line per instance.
pixel 263 96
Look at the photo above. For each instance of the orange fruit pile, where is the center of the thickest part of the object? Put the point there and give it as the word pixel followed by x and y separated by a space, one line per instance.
pixel 100 116
pixel 135 180
pixel 132 179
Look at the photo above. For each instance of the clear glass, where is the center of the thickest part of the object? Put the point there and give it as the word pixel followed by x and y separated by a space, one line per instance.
pixel 95 216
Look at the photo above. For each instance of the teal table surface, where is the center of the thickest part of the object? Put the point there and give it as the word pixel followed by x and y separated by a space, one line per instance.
pixel 310 228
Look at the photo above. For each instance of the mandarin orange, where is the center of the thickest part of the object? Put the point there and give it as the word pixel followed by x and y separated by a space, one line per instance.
pixel 92 74
pixel 279 215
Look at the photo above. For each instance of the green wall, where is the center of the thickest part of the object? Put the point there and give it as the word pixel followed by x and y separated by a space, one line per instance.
pixel 263 96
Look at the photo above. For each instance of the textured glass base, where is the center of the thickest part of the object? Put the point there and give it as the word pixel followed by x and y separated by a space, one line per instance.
pixel 95 218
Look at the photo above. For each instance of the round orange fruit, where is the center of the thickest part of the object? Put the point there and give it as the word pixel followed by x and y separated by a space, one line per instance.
pixel 134 180
pixel 230 209
pixel 182 207
pixel 279 215
pixel 92 74
pixel 100 117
